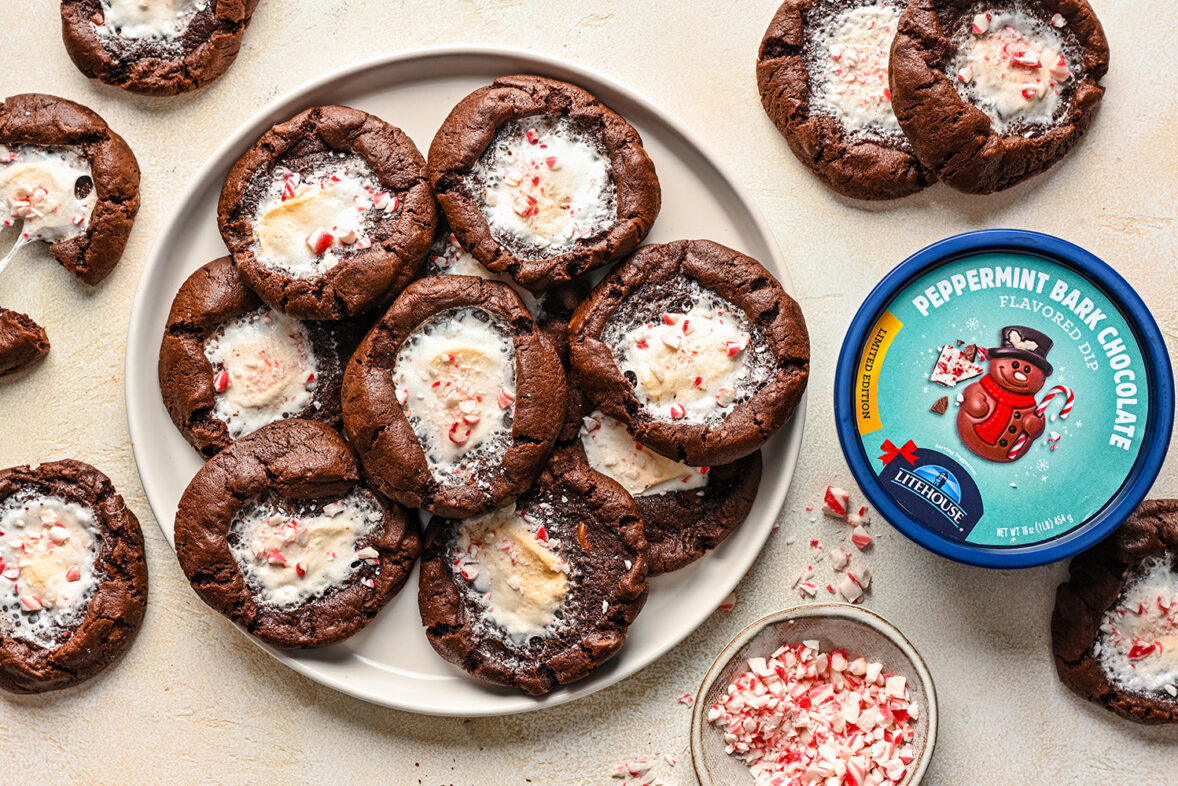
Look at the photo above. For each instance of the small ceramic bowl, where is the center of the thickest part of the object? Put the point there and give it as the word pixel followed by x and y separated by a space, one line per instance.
pixel 835 626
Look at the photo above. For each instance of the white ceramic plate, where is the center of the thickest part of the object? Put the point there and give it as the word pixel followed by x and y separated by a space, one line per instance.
pixel 391 662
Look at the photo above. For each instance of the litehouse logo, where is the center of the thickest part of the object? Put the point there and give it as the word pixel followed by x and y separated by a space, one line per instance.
pixel 935 491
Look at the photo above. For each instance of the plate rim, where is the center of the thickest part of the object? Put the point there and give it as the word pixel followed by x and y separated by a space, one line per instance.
pixel 278 109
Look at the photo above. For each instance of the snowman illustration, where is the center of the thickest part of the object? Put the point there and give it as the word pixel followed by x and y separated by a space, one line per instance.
pixel 999 418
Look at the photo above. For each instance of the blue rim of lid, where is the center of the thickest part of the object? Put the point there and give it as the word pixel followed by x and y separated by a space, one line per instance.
pixel 1159 376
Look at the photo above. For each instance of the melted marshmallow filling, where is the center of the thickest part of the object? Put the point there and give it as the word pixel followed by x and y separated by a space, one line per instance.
pixel 289 558
pixel 693 362
pixel 514 569
pixel 849 63
pixel 1012 66
pixel 546 184
pixel 49 189
pixel 149 19
pixel 48 572
pixel 642 472
pixel 264 369
pixel 1138 645
pixel 448 257
pixel 455 380
pixel 305 225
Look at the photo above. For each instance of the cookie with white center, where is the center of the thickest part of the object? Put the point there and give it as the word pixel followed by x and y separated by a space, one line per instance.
pixel 1114 631
pixel 329 214
pixel 22 342
pixel 686 511
pixel 154 47
pixel 551 310
pixel 541 181
pixel 280 533
pixel 540 593
pixel 67 180
pixel 454 399
pixel 73 577
pixel 695 347
pixel 991 94
pixel 823 75
pixel 230 365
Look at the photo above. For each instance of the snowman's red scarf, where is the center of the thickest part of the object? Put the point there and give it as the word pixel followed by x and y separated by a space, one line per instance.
pixel 1006 403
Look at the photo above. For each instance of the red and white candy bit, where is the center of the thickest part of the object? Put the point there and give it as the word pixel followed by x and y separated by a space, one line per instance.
pixel 30 603
pixel 459 434
pixel 221 381
pixel 6 155
pixel 348 237
pixel 678 411
pixel 729 603
pixel 533 136
pixel 276 558
pixel 981 24
pixel 839 557
pixel 320 240
pixel 965 75
pixel 835 502
pixel 506 398
pixel 1058 20
pixel 369 555
pixel 73 573
pixel 725 396
pixel 300 570
pixel 364 242
pixel 860 538
pixel 1058 390
pixel 860 518
pixel 804 717
pixel 290 185
pixel 686 699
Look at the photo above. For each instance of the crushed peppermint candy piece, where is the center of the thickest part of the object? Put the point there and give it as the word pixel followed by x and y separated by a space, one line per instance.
pixel 860 538
pixel 729 603
pixel 835 502
pixel 860 518
pixel 686 699
pixel 804 716
pixel 1058 20
pixel 839 558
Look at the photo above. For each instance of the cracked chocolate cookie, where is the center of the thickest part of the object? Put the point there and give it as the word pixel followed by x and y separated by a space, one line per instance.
pixel 230 365
pixel 329 214
pixel 1115 627
pixel 551 310
pixel 541 181
pixel 73 577
pixel 686 511
pixel 695 347
pixel 69 180
pixel 538 594
pixel 454 399
pixel 991 94
pixel 823 76
pixel 22 342
pixel 154 47
pixel 279 533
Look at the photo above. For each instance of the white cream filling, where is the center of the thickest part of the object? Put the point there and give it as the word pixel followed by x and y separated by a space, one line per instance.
pixel 1011 66
pixel 851 75
pixel 547 183
pixel 452 259
pixel 149 18
pixel 642 472
pixel 37 187
pixel 455 379
pixel 516 570
pixel 264 369
pixel 48 551
pixel 1138 646
pixel 692 366
pixel 308 224
pixel 289 559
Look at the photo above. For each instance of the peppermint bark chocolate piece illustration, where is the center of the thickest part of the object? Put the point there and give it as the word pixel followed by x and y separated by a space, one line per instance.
pixel 999 418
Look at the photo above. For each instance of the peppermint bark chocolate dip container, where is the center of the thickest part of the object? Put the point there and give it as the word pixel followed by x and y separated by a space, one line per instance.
pixel 1004 398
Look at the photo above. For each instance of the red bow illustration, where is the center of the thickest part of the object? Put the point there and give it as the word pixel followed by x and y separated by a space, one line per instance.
pixel 891 451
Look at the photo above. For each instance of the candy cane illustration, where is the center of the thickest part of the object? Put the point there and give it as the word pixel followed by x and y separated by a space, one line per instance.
pixel 1058 390
pixel 1012 454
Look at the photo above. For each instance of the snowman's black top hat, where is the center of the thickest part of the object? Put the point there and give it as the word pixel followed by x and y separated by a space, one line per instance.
pixel 1026 344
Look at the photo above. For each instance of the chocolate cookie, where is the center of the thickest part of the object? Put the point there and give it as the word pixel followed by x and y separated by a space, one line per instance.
pixel 686 511
pixel 279 533
pixel 72 181
pixel 823 76
pixel 22 342
pixel 1115 627
pixel 990 95
pixel 453 399
pixel 551 310
pixel 329 214
pixel 230 365
pixel 695 347
pixel 73 577
pixel 538 594
pixel 153 47
pixel 541 181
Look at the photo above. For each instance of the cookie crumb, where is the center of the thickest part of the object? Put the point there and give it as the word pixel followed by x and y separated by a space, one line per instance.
pixel 940 406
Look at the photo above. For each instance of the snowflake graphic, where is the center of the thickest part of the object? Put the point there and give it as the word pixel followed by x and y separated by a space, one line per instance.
pixel 1044 478
pixel 1042 465
pixel 972 324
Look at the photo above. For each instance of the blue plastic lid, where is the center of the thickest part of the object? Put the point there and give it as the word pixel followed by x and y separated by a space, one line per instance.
pixel 1004 398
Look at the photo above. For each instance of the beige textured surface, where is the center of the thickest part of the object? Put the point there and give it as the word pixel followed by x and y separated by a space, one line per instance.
pixel 195 701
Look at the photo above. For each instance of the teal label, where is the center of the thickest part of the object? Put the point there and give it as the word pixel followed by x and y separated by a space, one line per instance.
pixel 1002 398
